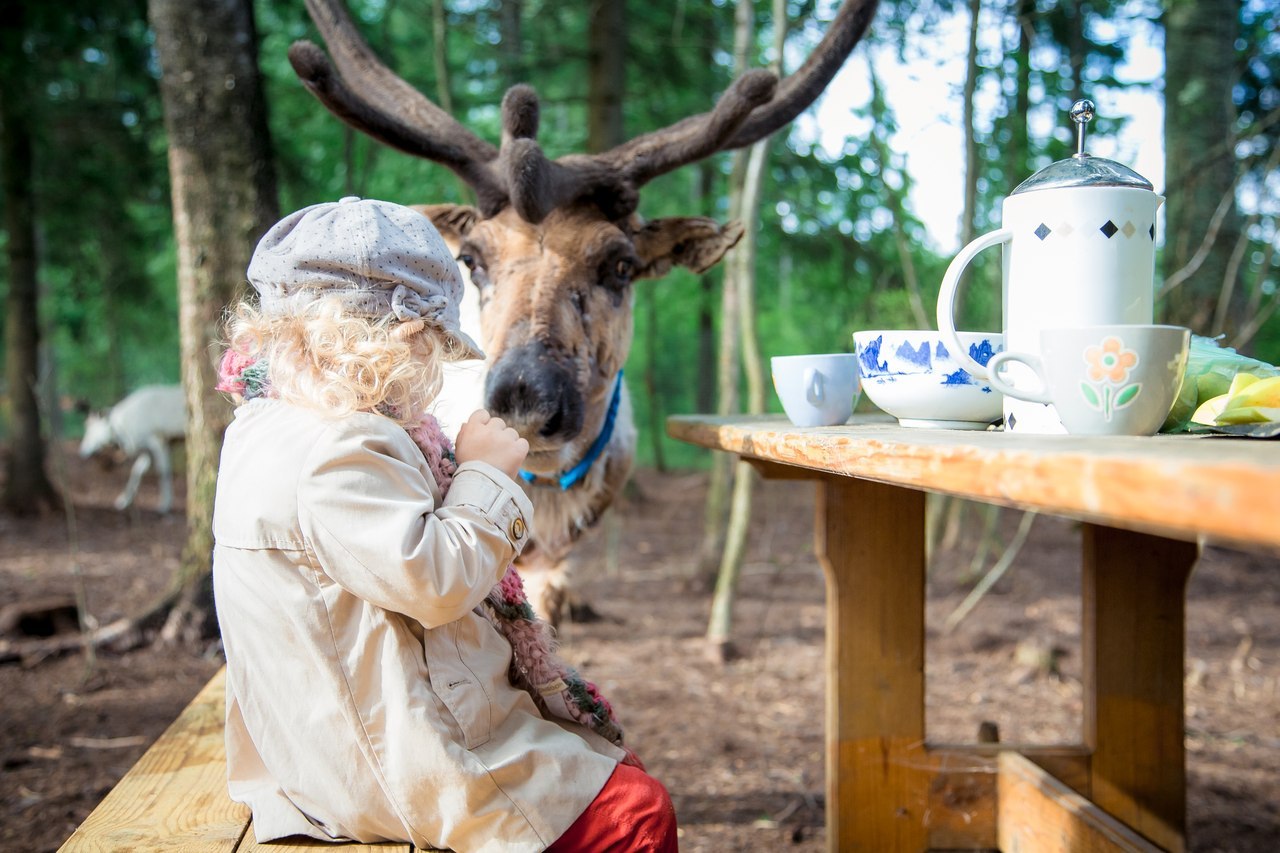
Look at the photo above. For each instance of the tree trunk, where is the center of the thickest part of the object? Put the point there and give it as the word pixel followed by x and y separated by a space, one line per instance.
pixel 902 242
pixel 649 300
pixel 720 625
pixel 116 271
pixel 1200 173
pixel 27 488
pixel 1077 46
pixel 1019 138
pixel 706 389
pixel 606 89
pixel 511 47
pixel 745 268
pixel 440 55
pixel 706 363
pixel 224 197
pixel 727 365
pixel 968 218
pixel 606 77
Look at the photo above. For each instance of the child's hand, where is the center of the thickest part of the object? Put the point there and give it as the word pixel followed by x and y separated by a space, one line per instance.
pixel 488 439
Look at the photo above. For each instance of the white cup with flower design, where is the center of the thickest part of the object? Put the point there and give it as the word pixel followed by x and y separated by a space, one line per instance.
pixel 1102 380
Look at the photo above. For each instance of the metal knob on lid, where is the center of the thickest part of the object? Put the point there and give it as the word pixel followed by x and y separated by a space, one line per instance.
pixel 1081 114
pixel 1082 169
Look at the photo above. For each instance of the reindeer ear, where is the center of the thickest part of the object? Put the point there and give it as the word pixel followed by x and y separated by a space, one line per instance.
pixel 453 221
pixel 688 241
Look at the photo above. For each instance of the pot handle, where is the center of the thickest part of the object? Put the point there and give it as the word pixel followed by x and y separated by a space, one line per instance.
pixel 1040 395
pixel 947 297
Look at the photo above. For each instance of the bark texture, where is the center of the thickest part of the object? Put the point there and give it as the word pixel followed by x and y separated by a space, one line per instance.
pixel 224 197
pixel 606 69
pixel 1200 170
pixel 27 488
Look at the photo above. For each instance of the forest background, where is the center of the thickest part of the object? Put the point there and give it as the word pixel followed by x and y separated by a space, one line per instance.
pixel 840 245
pixel 97 287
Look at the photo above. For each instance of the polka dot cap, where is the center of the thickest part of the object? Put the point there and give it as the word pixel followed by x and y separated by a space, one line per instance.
pixel 381 258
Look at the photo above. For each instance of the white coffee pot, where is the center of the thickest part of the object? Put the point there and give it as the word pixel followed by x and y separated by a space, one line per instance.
pixel 1078 243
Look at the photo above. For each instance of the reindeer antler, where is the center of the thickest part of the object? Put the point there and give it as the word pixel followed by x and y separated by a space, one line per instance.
pixel 799 90
pixel 367 95
pixel 370 97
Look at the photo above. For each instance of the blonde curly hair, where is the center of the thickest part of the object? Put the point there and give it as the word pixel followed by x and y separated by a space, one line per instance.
pixel 321 356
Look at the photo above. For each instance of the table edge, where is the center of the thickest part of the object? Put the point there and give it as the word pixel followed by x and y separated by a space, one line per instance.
pixel 1139 484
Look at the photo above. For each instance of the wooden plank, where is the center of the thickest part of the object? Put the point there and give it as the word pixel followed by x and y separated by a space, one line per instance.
pixel 174 800
pixel 1175 486
pixel 961 814
pixel 870 542
pixel 1073 771
pixel 961 808
pixel 778 471
pixel 312 845
pixel 1132 643
pixel 1039 814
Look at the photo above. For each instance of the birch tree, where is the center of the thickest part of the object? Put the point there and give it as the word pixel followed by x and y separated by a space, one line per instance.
pixel 740 278
pixel 728 370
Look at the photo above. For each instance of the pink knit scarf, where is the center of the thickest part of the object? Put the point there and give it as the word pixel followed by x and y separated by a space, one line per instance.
pixel 557 689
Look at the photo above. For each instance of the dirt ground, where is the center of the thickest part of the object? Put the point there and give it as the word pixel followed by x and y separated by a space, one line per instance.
pixel 739 745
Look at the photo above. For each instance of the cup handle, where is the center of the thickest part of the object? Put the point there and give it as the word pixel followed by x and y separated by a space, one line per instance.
pixel 947 298
pixel 1040 395
pixel 814 390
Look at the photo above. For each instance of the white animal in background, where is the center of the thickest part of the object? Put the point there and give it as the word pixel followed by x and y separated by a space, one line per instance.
pixel 141 425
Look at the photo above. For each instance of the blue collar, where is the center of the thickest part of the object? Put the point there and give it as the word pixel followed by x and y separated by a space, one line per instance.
pixel 574 475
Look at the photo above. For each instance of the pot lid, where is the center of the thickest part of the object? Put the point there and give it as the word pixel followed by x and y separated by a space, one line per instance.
pixel 1082 169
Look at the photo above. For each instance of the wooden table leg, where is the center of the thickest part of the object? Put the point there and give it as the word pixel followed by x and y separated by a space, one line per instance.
pixel 1134 602
pixel 870 542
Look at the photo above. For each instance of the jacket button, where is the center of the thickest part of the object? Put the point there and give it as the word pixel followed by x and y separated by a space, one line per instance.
pixel 517 529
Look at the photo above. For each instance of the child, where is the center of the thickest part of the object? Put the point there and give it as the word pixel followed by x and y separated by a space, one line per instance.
pixel 371 625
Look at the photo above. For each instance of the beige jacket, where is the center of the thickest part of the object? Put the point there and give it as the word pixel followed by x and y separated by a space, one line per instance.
pixel 366 699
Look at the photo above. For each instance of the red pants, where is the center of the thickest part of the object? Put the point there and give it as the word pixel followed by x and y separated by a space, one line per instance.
pixel 631 814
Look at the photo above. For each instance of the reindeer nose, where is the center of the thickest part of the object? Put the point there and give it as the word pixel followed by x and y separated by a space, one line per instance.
pixel 533 392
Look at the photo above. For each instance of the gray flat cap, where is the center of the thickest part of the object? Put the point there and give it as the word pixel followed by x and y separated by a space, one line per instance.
pixel 381 258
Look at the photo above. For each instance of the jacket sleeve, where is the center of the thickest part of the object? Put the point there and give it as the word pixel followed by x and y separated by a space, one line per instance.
pixel 367 512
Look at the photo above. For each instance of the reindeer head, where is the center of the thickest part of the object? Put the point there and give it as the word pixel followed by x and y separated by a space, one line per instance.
pixel 556 246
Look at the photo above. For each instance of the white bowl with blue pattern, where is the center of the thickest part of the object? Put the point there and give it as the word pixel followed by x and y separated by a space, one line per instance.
pixel 912 376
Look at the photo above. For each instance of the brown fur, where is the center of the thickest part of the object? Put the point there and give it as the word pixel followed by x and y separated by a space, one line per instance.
pixel 552 290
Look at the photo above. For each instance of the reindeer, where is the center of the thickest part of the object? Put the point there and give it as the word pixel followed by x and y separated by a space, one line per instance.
pixel 142 425
pixel 554 248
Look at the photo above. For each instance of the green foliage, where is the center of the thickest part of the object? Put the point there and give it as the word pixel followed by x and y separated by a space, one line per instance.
pixel 105 232
pixel 829 250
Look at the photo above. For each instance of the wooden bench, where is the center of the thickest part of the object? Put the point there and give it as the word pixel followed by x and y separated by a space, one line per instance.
pixel 175 797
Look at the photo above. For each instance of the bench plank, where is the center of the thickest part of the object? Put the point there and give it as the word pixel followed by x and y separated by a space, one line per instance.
pixel 311 845
pixel 175 798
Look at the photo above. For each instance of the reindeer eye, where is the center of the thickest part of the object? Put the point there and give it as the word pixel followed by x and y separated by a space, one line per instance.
pixel 469 257
pixel 615 272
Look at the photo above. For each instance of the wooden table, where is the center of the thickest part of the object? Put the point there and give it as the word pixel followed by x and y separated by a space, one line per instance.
pixel 1145 503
